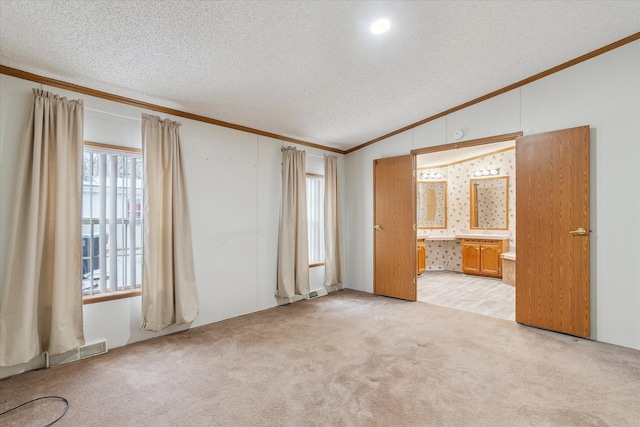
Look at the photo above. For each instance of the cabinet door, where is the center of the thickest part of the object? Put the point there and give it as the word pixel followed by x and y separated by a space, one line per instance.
pixel 490 259
pixel 471 257
pixel 422 258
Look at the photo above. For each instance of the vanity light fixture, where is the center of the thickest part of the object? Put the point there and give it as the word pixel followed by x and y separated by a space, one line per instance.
pixel 380 26
pixel 424 175
pixel 487 172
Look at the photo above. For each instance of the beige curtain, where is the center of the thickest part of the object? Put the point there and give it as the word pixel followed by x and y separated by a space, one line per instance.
pixel 169 293
pixel 333 265
pixel 41 307
pixel 293 246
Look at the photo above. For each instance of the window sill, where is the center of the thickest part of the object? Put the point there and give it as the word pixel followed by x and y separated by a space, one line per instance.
pixel 92 299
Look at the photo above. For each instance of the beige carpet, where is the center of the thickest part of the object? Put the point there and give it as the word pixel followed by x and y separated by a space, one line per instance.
pixel 348 359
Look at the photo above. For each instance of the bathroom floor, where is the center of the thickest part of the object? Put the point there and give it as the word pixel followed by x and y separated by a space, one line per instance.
pixel 482 295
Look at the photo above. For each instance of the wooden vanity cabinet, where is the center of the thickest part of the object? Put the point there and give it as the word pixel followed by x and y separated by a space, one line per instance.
pixel 482 257
pixel 421 264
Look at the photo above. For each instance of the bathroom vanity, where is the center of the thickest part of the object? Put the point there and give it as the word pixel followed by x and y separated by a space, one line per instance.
pixel 478 249
pixel 483 256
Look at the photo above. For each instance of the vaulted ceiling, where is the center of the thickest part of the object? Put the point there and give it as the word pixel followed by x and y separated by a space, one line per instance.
pixel 309 70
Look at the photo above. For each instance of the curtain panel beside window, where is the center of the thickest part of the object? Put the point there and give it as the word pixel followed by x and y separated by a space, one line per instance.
pixel 41 308
pixel 293 251
pixel 169 293
pixel 333 264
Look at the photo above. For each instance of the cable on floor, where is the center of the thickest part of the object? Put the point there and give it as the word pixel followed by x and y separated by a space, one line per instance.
pixel 41 398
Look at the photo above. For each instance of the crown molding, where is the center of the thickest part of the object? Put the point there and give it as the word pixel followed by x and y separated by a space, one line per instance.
pixel 505 89
pixel 158 108
pixel 153 107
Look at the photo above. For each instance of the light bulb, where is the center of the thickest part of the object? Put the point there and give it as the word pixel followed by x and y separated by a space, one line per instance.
pixel 380 26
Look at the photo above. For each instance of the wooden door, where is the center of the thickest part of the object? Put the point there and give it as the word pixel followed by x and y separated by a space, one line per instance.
pixel 394 235
pixel 552 231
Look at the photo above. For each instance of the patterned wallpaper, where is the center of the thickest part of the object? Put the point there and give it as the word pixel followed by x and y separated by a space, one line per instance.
pixel 444 255
pixel 447 254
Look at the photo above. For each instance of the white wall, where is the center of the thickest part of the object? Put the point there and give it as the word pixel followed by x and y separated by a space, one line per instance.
pixel 604 93
pixel 234 182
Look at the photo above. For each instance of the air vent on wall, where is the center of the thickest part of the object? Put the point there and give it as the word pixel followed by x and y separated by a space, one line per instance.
pixel 82 352
pixel 317 293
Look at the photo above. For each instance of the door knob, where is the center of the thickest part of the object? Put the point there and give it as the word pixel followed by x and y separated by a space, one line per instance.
pixel 579 232
pixel 377 227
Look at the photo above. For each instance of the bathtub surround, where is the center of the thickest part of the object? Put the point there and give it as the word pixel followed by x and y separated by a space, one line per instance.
pixel 509 268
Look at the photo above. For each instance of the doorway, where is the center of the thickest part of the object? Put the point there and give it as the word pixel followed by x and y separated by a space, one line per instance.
pixel 552 278
pixel 480 199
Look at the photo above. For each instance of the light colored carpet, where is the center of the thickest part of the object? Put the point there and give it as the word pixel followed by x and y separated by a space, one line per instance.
pixel 347 359
pixel 482 295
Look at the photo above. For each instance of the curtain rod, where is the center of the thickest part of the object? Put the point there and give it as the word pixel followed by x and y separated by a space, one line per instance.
pixel 310 155
pixel 140 120
pixel 112 114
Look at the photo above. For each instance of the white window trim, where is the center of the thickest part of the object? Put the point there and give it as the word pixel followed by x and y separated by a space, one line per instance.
pixel 315 219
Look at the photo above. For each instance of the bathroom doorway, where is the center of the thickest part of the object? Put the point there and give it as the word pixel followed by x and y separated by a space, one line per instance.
pixel 553 266
pixel 459 166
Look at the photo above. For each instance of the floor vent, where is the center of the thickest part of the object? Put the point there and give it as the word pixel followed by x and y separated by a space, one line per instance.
pixel 82 352
pixel 317 293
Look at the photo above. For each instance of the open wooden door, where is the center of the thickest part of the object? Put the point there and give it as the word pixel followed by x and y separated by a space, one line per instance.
pixel 552 230
pixel 394 235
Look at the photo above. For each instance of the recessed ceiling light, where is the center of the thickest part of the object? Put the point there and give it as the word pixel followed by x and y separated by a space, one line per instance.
pixel 380 26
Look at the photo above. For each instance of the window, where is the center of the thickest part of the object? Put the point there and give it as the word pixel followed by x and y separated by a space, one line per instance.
pixel 111 221
pixel 315 219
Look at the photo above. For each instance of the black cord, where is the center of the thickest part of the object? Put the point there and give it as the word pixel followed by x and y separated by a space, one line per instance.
pixel 40 398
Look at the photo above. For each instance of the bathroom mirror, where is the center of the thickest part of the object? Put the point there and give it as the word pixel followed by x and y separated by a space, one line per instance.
pixel 489 203
pixel 431 202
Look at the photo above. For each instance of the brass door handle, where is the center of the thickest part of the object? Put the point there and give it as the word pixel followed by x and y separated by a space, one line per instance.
pixel 579 232
pixel 377 227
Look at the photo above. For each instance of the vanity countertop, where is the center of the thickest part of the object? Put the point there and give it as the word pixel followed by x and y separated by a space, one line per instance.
pixel 483 234
pixel 439 237
pixel 469 234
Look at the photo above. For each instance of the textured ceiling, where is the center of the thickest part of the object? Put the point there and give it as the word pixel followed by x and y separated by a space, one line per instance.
pixel 302 69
